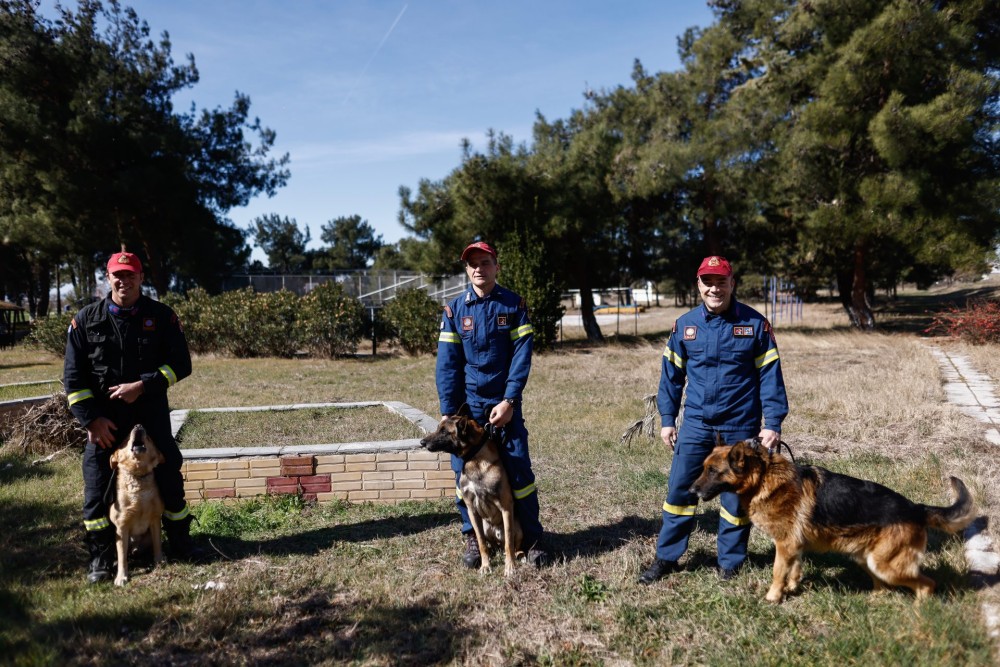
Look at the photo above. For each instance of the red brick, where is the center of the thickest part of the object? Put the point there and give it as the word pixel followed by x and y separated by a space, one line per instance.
pixel 219 493
pixel 311 479
pixel 297 460
pixel 288 470
pixel 309 496
pixel 283 482
pixel 317 487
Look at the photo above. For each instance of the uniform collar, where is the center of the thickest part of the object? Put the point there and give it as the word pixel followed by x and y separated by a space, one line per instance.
pixel 115 309
pixel 470 294
pixel 728 314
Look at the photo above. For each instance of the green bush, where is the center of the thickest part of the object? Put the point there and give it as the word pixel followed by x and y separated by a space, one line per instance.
pixel 241 323
pixel 526 272
pixel 191 309
pixel 49 333
pixel 331 323
pixel 413 319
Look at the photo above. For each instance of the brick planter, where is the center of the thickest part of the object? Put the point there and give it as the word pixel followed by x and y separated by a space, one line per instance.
pixel 383 472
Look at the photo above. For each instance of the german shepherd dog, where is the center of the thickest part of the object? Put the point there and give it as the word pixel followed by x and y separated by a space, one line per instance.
pixel 483 483
pixel 808 508
pixel 138 507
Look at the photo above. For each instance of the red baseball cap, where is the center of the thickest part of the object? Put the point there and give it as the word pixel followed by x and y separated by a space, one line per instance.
pixel 479 245
pixel 715 265
pixel 124 261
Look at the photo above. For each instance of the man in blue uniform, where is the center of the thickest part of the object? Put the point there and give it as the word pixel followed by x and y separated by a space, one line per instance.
pixel 484 356
pixel 122 354
pixel 727 354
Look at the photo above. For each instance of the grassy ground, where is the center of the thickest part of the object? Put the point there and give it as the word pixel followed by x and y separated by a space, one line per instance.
pixel 293 427
pixel 382 584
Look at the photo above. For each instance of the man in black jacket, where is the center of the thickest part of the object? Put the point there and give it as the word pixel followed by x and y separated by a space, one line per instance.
pixel 122 354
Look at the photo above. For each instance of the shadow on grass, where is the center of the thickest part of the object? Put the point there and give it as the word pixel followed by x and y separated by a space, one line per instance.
pixel 313 541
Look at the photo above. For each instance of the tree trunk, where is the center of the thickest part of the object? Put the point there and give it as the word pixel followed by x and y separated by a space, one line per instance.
pixel 852 284
pixel 590 326
pixel 43 279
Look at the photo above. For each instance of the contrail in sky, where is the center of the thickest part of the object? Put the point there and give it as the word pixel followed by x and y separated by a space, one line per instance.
pixel 378 48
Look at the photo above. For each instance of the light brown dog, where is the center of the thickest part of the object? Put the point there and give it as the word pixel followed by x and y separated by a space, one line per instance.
pixel 483 483
pixel 138 506
pixel 808 508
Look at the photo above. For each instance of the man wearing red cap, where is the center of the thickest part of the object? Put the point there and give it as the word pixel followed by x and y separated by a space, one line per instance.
pixel 726 353
pixel 122 354
pixel 484 356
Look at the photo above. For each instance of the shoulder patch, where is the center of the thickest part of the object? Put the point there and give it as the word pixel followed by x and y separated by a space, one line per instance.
pixel 72 322
pixel 447 309
pixel 673 330
pixel 769 330
pixel 523 305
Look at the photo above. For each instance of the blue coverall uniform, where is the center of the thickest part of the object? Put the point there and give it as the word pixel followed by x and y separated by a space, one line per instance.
pixel 484 356
pixel 108 345
pixel 733 373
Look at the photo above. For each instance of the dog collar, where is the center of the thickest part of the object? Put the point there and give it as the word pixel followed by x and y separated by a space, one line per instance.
pixel 488 432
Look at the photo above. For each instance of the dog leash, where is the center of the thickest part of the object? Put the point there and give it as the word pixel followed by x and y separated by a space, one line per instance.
pixel 758 443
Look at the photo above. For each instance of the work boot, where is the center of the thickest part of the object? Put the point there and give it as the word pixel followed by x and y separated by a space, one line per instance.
pixel 472 559
pixel 538 555
pixel 180 546
pixel 659 569
pixel 101 546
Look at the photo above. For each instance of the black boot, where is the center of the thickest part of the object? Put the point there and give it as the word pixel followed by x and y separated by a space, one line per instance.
pixel 180 546
pixel 101 546
pixel 471 559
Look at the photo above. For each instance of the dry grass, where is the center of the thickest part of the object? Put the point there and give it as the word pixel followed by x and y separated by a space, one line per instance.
pixel 382 584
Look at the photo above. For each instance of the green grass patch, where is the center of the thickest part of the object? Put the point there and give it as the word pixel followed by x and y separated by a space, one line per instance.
pixel 11 392
pixel 294 427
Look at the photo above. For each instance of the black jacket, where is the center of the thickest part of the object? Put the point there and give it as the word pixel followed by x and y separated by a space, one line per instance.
pixel 104 349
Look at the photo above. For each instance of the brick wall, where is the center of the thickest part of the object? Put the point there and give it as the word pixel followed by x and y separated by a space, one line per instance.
pixel 384 477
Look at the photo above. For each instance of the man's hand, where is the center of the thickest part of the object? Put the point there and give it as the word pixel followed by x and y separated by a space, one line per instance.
pixel 127 392
pixel 501 413
pixel 769 438
pixel 669 435
pixel 100 433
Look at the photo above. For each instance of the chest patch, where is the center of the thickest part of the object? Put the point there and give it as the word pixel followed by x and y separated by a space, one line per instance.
pixel 149 324
pixel 690 333
pixel 501 320
pixel 467 323
pixel 743 332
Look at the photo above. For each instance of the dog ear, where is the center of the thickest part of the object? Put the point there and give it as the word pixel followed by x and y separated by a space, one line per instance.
pixel 114 459
pixel 719 442
pixel 464 411
pixel 737 458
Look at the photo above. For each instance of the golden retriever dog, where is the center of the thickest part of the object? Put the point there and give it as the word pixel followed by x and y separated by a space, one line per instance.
pixel 138 506
pixel 808 508
pixel 484 485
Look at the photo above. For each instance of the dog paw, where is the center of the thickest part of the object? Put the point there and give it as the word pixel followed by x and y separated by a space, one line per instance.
pixel 485 568
pixel 121 581
pixel 508 570
pixel 774 597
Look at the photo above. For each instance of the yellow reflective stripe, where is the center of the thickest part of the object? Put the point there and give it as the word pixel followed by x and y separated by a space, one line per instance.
pixel 520 494
pixel 449 337
pixel 767 357
pixel 458 492
pixel 673 358
pixel 96 524
pixel 177 516
pixel 78 396
pixel 735 520
pixel 168 373
pixel 679 510
pixel 522 331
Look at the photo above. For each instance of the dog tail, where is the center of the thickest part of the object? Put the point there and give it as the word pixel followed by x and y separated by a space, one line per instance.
pixel 956 517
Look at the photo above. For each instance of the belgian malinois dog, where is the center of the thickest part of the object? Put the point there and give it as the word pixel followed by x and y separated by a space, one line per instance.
pixel 484 484
pixel 808 508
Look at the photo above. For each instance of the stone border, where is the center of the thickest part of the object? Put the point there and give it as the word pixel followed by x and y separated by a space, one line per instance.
pixel 378 471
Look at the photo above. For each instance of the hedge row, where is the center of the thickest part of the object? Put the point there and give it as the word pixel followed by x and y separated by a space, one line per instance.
pixel 326 322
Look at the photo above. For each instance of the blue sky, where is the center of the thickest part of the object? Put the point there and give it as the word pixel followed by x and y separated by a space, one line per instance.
pixel 367 96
